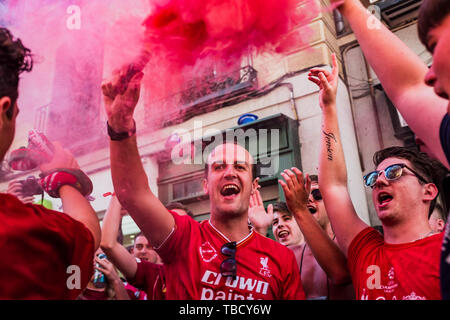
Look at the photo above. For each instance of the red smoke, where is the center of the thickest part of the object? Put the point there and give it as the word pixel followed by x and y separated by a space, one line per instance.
pixel 185 31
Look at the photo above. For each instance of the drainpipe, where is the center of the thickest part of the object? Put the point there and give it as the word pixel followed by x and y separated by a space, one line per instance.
pixel 292 98
pixel 374 104
pixel 352 105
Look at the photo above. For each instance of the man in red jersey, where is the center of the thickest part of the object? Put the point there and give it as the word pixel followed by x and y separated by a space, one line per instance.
pixel 404 264
pixel 218 259
pixel 45 254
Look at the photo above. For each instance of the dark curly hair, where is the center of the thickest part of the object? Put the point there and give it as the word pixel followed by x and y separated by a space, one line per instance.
pixel 15 58
pixel 432 170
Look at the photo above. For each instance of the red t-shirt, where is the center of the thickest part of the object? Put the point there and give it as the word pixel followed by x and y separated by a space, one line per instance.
pixel 37 247
pixel 192 257
pixel 382 271
pixel 150 278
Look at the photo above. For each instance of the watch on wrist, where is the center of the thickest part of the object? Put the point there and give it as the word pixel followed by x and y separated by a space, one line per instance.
pixel 118 136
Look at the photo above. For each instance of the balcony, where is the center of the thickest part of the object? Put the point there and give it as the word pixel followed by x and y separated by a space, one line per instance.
pixel 203 95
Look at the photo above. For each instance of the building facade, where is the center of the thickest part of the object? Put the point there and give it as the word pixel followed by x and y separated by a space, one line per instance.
pixel 275 89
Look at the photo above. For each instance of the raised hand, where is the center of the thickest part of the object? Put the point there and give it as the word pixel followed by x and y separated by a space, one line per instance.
pixel 62 158
pixel 327 83
pixel 296 189
pixel 258 216
pixel 120 106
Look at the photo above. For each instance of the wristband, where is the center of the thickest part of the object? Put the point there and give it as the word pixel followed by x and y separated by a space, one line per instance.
pixel 76 178
pixel 118 136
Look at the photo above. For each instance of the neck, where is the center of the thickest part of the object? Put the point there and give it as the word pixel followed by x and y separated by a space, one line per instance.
pixel 406 232
pixel 234 229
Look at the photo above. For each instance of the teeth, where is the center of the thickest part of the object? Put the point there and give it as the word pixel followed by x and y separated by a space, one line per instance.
pixel 282 233
pixel 230 187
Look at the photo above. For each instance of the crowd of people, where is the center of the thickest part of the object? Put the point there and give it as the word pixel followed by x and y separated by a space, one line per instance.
pixel 322 248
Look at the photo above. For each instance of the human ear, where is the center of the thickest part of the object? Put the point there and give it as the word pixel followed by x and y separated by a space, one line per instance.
pixel 6 108
pixel 205 186
pixel 430 191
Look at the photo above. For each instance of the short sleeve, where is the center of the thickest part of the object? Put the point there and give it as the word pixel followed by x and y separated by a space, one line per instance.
pixel 174 246
pixel 361 246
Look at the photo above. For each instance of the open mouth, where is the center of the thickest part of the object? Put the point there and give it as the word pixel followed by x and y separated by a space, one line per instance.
pixel 230 190
pixel 283 234
pixel 384 198
pixel 312 209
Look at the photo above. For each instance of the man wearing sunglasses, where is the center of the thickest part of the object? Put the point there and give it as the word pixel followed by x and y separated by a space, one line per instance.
pixel 218 259
pixel 411 86
pixel 405 263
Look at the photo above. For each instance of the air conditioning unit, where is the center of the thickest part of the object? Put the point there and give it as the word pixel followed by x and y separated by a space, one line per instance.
pixel 398 12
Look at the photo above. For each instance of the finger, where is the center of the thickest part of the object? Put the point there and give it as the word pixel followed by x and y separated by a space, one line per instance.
pixel 316 71
pixel 324 81
pixel 295 179
pixel 288 181
pixel 105 271
pixel 316 81
pixel 259 198
pixel 285 188
pixel 334 64
pixel 308 184
pixel 252 201
pixel 299 175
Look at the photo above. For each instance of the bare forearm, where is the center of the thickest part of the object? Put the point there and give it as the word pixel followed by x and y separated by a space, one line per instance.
pixel 325 250
pixel 132 189
pixel 78 207
pixel 401 73
pixel 384 51
pixel 331 161
pixel 128 174
pixel 111 224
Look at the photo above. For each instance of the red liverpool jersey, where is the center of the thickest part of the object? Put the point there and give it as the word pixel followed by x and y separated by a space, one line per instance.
pixel 192 258
pixel 44 254
pixel 382 271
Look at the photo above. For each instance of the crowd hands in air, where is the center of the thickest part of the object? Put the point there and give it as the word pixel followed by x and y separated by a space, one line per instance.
pixel 322 248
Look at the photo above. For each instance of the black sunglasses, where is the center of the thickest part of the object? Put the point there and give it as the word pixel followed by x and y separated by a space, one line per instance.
pixel 228 266
pixel 316 194
pixel 393 172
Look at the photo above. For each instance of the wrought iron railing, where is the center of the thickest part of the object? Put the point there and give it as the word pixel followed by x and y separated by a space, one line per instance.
pixel 203 94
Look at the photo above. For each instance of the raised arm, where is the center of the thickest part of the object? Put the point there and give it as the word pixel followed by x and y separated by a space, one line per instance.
pixel 332 170
pixel 330 258
pixel 402 74
pixel 128 175
pixel 116 253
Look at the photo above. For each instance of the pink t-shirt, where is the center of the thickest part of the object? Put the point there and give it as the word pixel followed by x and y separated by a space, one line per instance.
pixel 192 258
pixel 382 271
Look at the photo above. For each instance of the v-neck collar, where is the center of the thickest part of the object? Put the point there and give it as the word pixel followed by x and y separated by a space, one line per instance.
pixel 225 238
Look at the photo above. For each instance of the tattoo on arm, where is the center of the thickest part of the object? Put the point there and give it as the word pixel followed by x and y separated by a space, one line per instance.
pixel 328 137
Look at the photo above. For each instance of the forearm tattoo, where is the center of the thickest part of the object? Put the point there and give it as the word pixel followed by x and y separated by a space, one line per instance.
pixel 328 137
